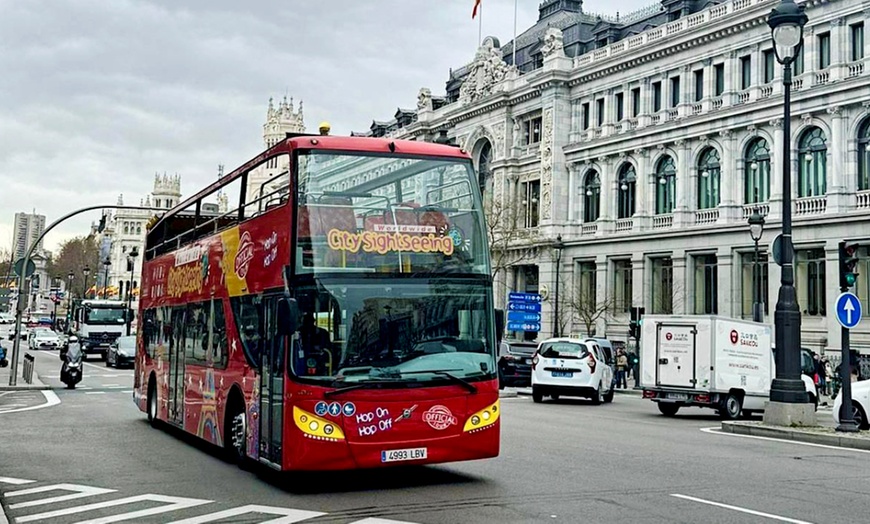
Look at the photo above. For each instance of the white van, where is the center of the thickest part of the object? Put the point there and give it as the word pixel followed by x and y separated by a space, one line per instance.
pixel 571 367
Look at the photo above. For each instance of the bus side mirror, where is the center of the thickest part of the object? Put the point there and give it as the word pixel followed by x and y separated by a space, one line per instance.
pixel 288 316
pixel 499 325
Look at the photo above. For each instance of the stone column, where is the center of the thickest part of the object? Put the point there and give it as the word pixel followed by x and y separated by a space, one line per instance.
pixel 682 215
pixel 640 286
pixel 684 108
pixel 732 79
pixel 602 290
pixel 726 288
pixel 681 297
pixel 837 192
pixel 645 116
pixel 709 83
pixel 572 193
pixel 644 189
pixel 840 49
pixel 729 210
pixel 776 167
pixel 832 291
pixel 607 196
pixel 810 49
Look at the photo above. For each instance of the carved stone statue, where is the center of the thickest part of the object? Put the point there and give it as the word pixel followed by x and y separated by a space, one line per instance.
pixel 424 99
pixel 487 70
pixel 516 133
pixel 553 45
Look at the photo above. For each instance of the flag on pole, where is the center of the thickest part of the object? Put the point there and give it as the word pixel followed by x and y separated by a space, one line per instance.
pixel 474 12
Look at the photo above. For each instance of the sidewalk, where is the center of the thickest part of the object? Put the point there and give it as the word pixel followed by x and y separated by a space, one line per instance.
pixel 5 373
pixel 823 434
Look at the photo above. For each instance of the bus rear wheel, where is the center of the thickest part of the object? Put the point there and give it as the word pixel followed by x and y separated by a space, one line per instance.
pixel 235 433
pixel 152 403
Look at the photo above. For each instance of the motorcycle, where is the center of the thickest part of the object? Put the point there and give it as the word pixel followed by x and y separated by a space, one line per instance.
pixel 71 371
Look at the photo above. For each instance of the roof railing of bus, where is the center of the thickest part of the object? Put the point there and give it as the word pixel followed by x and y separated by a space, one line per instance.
pixel 212 226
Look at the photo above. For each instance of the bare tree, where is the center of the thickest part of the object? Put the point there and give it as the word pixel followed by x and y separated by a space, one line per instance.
pixel 73 256
pixel 582 304
pixel 510 243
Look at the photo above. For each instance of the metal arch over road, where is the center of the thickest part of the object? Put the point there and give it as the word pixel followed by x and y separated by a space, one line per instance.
pixel 16 344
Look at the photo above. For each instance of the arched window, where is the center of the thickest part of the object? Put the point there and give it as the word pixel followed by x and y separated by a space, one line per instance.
pixel 708 179
pixel 756 172
pixel 591 197
pixel 139 229
pixel 484 174
pixel 864 156
pixel 625 195
pixel 156 202
pixel 812 163
pixel 666 185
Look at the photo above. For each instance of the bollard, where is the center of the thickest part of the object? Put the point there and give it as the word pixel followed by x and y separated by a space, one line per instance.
pixel 28 368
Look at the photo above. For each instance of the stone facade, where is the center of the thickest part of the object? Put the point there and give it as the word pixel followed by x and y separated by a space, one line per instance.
pixel 280 120
pixel 647 154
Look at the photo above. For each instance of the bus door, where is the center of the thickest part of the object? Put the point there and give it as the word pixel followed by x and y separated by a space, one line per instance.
pixel 176 368
pixel 272 381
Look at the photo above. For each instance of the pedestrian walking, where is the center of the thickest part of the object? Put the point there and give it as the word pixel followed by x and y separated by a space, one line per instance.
pixel 621 368
pixel 829 375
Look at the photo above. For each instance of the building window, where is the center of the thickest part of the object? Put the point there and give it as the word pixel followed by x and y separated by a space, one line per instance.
pixel 484 175
pixel 626 194
pixel 635 102
pixel 657 96
pixel 798 64
pixel 811 281
pixel 531 195
pixel 666 185
pixel 812 159
pixel 591 196
pixel 156 202
pixel 857 33
pixel 139 229
pixel 126 228
pixel 622 275
pixel 748 279
pixel 586 115
pixel 864 156
pixel 824 50
pixel 699 85
pixel 708 179
pixel 745 72
pixel 756 172
pixel 675 91
pixel 532 131
pixel 586 297
pixel 720 78
pixel 620 110
pixel 599 107
pixel 662 286
pixel 706 285
pixel 769 65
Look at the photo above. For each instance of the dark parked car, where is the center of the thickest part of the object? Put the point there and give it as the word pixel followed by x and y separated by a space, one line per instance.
pixel 515 363
pixel 122 352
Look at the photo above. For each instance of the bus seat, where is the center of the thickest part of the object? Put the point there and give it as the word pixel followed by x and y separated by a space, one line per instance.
pixel 435 218
pixel 370 221
pixel 303 220
pixel 333 213
pixel 405 214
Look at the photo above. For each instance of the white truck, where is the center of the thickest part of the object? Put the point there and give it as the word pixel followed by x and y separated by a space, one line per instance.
pixel 708 361
pixel 99 323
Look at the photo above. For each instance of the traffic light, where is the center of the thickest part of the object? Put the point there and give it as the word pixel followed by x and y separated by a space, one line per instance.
pixel 635 322
pixel 848 264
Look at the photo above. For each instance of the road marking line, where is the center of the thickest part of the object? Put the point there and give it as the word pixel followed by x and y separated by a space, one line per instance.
pixel 126 391
pixel 173 504
pixel 79 492
pixel 85 387
pixel 374 520
pixel 17 482
pixel 50 400
pixel 288 515
pixel 718 431
pixel 95 393
pixel 741 510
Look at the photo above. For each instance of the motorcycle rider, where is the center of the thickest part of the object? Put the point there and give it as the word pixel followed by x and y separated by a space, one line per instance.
pixel 71 371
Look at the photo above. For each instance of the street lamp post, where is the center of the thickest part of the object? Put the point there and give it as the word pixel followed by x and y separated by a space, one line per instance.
pixel 85 272
pixel 756 228
pixel 106 264
pixel 131 262
pixel 56 286
pixel 557 251
pixel 787 22
pixel 69 292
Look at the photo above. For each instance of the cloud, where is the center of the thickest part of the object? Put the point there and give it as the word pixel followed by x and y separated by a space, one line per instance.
pixel 97 96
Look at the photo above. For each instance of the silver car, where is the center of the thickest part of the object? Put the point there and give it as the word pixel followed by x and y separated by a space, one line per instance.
pixel 43 338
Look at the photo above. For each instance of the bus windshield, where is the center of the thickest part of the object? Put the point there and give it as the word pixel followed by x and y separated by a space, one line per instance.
pixel 368 213
pixel 105 315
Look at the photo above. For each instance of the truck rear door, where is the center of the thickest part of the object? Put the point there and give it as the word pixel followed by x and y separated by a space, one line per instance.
pixel 676 349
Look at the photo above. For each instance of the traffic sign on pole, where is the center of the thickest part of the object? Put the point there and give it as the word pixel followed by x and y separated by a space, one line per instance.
pixel 848 310
pixel 523 316
pixel 523 306
pixel 524 297
pixel 524 326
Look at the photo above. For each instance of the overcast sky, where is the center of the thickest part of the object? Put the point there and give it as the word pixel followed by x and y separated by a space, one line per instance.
pixel 98 95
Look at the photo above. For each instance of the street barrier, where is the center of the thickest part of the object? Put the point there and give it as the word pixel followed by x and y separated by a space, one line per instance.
pixel 28 368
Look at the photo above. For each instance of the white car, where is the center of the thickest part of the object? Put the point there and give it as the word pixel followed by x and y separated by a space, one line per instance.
pixel 860 404
pixel 571 367
pixel 42 338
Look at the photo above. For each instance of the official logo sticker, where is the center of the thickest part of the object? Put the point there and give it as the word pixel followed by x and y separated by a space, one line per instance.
pixel 734 336
pixel 321 408
pixel 244 255
pixel 669 336
pixel 439 417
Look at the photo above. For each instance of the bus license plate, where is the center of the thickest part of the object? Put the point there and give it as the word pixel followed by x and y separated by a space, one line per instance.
pixel 396 455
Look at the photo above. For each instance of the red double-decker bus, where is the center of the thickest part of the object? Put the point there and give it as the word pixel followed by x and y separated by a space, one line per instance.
pixel 336 315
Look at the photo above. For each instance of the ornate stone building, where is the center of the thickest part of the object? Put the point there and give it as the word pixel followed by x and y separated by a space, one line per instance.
pixel 280 120
pixel 645 142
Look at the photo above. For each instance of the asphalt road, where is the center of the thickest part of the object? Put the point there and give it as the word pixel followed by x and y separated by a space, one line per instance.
pixel 93 458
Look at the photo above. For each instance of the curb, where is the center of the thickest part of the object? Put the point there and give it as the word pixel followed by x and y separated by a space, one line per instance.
pixel 796 434
pixel 28 387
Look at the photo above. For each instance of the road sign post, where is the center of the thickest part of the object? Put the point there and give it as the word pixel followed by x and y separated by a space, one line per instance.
pixel 848 309
pixel 524 312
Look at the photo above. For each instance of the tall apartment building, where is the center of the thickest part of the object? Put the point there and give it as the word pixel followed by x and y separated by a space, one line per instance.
pixel 644 142
pixel 27 228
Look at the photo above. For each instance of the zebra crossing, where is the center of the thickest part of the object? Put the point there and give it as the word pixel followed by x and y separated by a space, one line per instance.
pixel 68 503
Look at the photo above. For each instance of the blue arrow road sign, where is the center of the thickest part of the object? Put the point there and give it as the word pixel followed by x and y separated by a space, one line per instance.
pixel 524 326
pixel 522 316
pixel 524 297
pixel 848 310
pixel 524 306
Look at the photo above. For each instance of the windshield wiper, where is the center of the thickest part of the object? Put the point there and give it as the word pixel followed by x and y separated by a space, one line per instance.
pixel 445 373
pixel 368 384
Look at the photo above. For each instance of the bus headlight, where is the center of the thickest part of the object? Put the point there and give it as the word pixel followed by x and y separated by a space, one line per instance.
pixel 315 427
pixel 483 418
